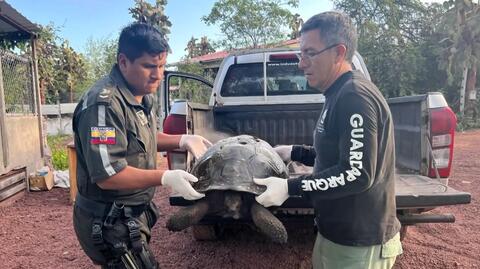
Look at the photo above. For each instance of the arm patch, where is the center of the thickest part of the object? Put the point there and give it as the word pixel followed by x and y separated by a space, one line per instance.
pixel 102 135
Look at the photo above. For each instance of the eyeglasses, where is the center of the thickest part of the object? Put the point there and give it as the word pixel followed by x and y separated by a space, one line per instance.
pixel 309 55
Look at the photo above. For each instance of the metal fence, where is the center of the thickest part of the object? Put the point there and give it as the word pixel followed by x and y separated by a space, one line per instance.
pixel 16 76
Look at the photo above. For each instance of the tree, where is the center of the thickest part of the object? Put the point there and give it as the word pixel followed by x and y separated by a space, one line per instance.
pixel 460 26
pixel 46 51
pixel 395 38
pixel 60 68
pixel 192 48
pixel 100 55
pixel 205 47
pixel 72 70
pixel 153 15
pixel 195 49
pixel 251 23
pixel 296 24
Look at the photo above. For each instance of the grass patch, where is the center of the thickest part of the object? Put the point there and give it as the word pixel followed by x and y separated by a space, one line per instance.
pixel 58 146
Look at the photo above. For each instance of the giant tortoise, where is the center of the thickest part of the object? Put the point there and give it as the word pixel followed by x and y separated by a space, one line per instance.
pixel 225 174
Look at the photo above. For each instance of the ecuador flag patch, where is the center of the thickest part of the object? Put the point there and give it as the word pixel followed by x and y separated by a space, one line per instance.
pixel 102 135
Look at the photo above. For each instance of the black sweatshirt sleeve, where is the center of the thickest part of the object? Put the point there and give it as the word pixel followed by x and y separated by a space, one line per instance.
pixel 355 120
pixel 303 154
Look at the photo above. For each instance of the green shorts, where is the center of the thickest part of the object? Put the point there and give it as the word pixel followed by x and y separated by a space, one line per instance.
pixel 329 255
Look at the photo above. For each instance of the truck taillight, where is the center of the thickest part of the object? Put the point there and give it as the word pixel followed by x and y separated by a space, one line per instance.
pixel 442 131
pixel 177 160
pixel 176 124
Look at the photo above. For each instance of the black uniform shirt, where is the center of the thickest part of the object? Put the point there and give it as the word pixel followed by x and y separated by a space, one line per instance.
pixel 352 187
pixel 112 130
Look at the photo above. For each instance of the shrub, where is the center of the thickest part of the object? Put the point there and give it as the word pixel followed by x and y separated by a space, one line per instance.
pixel 58 146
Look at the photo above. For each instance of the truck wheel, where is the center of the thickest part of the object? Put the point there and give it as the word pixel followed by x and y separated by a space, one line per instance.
pixel 206 232
pixel 403 232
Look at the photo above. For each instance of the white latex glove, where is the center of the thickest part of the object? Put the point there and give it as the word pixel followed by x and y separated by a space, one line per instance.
pixel 179 181
pixel 195 144
pixel 285 152
pixel 276 193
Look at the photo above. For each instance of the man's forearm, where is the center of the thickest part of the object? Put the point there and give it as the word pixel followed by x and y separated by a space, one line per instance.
pixel 132 178
pixel 167 142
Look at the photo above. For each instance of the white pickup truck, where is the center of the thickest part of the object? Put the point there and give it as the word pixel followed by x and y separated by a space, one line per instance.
pixel 264 94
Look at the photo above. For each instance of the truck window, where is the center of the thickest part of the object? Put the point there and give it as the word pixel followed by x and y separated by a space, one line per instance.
pixel 283 78
pixel 244 80
pixel 188 89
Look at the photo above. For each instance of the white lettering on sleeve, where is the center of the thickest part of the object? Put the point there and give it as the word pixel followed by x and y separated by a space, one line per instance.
pixel 355 161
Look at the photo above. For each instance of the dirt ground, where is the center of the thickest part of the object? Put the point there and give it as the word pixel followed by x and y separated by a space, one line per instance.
pixel 36 232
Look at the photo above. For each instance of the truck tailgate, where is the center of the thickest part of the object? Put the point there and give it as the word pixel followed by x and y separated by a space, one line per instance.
pixel 415 191
pixel 412 191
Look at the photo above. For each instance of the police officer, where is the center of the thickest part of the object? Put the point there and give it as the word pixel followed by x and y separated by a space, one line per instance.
pixel 116 141
pixel 352 188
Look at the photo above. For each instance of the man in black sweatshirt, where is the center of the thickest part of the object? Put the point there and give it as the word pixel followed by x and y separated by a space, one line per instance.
pixel 352 187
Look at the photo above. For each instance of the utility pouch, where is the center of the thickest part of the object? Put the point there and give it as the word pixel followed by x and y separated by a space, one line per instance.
pixel 152 213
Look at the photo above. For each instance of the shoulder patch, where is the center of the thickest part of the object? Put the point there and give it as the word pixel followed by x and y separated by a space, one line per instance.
pixel 102 135
pixel 105 95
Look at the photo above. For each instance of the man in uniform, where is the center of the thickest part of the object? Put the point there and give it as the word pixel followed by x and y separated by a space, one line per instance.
pixel 116 141
pixel 352 187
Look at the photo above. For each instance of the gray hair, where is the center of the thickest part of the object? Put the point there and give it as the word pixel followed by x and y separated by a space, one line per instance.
pixel 334 28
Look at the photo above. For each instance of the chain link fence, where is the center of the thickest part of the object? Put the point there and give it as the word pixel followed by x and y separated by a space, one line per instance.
pixel 17 79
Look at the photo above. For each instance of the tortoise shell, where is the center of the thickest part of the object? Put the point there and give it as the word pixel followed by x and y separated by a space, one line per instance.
pixel 232 163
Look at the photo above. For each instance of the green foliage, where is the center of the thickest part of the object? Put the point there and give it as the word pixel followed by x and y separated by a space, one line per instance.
pixel 153 15
pixel 8 43
pixel 467 123
pixel 72 70
pixel 461 37
pixel 60 68
pixel 392 36
pixel 407 45
pixel 195 49
pixel 251 23
pixel 100 56
pixel 191 90
pixel 57 144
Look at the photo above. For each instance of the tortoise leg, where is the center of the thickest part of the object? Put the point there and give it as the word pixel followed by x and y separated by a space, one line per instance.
pixel 187 216
pixel 268 224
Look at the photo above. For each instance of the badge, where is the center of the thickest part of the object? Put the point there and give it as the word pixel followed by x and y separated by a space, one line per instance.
pixel 104 93
pixel 141 116
pixel 102 135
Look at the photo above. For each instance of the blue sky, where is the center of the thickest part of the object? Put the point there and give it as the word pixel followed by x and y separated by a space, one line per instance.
pixel 83 19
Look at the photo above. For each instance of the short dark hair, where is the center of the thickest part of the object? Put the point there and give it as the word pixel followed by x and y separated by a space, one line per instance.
pixel 335 28
pixel 139 38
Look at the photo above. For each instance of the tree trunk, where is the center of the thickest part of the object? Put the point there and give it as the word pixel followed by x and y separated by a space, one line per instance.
pixel 470 105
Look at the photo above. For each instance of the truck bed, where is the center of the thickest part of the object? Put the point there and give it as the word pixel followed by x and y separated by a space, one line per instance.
pixel 294 124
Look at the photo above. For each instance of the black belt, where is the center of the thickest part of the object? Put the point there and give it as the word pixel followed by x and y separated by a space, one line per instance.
pixel 100 209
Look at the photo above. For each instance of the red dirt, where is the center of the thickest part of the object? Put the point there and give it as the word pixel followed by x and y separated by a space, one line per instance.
pixel 36 232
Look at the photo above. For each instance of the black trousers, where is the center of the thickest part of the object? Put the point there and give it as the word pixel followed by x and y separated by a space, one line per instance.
pixel 83 221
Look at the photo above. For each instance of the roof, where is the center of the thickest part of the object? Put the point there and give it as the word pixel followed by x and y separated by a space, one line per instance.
pixel 219 55
pixel 210 57
pixel 14 25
